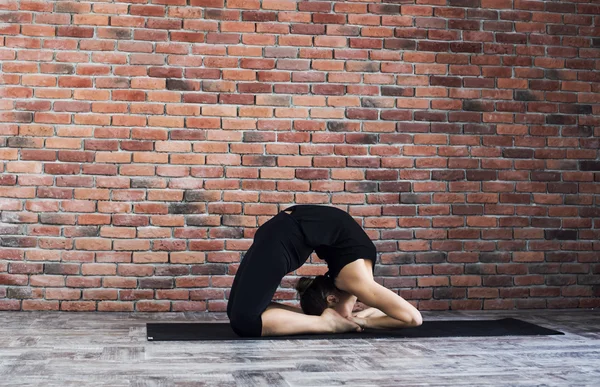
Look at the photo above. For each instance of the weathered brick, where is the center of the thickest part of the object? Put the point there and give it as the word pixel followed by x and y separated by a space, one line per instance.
pixel 561 234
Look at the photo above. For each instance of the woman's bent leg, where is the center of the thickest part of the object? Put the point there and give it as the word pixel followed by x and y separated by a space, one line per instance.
pixel 254 285
pixel 279 320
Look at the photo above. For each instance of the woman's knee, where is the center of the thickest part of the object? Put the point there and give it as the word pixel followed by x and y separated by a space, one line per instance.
pixel 245 324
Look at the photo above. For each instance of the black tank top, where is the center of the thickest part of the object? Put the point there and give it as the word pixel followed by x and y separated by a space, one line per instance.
pixel 333 234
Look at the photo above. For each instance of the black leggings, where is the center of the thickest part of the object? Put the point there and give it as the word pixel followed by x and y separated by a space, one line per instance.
pixel 253 288
pixel 278 249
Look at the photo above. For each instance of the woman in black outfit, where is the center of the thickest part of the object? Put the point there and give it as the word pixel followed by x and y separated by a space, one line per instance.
pixel 282 245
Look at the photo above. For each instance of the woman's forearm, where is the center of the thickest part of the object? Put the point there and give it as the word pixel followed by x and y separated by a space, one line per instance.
pixel 369 312
pixel 386 322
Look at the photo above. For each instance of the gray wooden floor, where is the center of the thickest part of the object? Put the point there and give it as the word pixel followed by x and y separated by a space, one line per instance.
pixel 110 349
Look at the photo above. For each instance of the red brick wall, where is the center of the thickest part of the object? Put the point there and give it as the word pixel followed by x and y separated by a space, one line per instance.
pixel 142 142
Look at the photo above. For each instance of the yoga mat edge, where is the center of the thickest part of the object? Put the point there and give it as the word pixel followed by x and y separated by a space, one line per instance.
pixel 222 331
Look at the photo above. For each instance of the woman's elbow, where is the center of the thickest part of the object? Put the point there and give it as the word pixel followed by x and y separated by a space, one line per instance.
pixel 417 319
pixel 412 319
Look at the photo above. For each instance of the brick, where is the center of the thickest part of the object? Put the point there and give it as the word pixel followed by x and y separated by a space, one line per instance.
pixel 259 16
pixel 328 89
pixel 191 37
pixel 589 165
pixel 561 234
pixel 177 84
pixel 115 306
pixel 307 29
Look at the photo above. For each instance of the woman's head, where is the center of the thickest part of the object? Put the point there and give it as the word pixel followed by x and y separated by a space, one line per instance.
pixel 316 294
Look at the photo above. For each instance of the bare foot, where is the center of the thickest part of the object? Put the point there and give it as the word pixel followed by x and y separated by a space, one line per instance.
pixel 338 323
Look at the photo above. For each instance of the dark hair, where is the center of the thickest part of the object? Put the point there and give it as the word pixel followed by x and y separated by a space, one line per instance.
pixel 313 293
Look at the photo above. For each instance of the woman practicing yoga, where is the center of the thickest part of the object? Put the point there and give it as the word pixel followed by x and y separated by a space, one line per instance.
pixel 282 245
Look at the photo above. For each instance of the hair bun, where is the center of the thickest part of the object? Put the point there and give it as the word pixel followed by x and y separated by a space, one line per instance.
pixel 303 284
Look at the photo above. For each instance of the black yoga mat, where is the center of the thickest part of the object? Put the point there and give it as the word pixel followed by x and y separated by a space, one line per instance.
pixel 452 328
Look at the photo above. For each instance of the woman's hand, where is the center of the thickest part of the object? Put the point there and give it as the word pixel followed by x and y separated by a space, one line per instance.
pixel 360 321
pixel 339 324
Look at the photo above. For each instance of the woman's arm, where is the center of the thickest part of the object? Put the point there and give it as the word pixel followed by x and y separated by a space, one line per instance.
pixel 398 313
pixel 379 320
pixel 355 278
pixel 369 312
